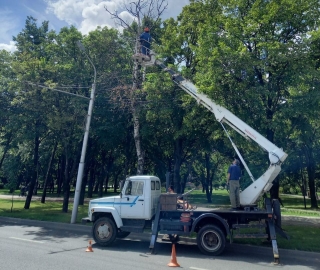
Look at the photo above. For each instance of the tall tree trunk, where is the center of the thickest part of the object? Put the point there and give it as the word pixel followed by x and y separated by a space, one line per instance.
pixel 137 140
pixel 91 180
pixel 127 153
pixel 208 185
pixel 311 169
pixel 44 192
pixel 106 170
pixel 106 183
pixel 303 188
pixel 84 185
pixel 60 174
pixel 177 165
pixel 66 183
pixel 116 181
pixel 6 148
pixel 35 166
pixel 96 182
pixel 137 83
pixel 100 183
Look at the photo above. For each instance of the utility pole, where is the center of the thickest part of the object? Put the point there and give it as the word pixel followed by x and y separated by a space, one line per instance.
pixel 85 141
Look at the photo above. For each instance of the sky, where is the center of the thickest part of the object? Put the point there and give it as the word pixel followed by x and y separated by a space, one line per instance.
pixel 86 15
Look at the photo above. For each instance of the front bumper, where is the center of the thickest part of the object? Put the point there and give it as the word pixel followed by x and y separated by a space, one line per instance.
pixel 85 220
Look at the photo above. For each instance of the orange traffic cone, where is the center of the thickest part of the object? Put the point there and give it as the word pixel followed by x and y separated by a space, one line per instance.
pixel 89 248
pixel 173 262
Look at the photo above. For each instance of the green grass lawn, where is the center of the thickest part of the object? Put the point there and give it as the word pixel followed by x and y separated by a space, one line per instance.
pixel 49 211
pixel 300 239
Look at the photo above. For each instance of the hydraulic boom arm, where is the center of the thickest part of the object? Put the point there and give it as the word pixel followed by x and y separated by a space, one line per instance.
pixel 276 155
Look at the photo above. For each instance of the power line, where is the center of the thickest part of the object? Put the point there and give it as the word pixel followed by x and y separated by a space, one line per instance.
pixel 54 89
pixel 75 86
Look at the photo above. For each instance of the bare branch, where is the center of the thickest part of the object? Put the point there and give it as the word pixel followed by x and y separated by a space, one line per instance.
pixel 139 9
pixel 161 7
pixel 121 22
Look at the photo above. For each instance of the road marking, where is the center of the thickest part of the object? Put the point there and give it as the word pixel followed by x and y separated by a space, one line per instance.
pixel 196 268
pixel 28 240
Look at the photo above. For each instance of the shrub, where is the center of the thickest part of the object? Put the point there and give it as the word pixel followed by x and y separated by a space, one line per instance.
pixel 293 190
pixel 286 189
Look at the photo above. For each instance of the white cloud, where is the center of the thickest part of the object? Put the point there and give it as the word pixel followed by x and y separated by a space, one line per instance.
pixel 69 10
pixel 8 47
pixel 88 14
pixel 85 14
pixel 96 15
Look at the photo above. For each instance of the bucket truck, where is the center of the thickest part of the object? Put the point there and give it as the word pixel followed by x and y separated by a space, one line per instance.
pixel 141 206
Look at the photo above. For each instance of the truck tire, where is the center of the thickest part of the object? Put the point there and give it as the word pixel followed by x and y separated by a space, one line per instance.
pixel 104 231
pixel 276 213
pixel 211 240
pixel 121 234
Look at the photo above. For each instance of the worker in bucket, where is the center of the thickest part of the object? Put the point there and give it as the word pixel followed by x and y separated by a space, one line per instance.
pixel 145 41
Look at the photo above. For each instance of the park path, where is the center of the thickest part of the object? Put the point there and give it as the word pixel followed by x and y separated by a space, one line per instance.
pixel 301 221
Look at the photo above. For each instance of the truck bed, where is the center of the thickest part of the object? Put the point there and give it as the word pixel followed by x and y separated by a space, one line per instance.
pixel 215 223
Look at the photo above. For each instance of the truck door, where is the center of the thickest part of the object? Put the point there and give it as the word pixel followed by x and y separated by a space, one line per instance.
pixel 132 202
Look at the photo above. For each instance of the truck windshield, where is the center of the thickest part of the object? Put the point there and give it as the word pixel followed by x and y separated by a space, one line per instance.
pixel 134 188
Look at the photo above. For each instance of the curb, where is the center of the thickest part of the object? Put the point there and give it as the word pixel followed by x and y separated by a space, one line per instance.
pixel 48 224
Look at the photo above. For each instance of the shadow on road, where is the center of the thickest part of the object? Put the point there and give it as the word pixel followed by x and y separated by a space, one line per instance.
pixel 234 252
pixel 139 243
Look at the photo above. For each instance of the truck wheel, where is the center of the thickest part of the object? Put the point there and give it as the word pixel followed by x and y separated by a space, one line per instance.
pixel 276 213
pixel 211 240
pixel 104 231
pixel 121 234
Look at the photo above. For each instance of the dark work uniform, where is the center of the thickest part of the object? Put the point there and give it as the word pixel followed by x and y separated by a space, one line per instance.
pixel 145 40
pixel 234 186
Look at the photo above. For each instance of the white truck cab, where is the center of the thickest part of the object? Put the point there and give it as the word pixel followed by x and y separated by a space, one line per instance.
pixel 129 211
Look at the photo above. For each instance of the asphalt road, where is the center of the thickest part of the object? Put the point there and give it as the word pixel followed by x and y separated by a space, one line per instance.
pixel 32 245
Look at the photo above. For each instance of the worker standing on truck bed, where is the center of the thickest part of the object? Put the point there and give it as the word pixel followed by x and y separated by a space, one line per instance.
pixel 233 178
pixel 145 41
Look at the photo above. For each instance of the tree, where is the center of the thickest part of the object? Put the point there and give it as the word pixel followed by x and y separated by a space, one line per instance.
pixel 144 13
pixel 30 65
pixel 251 54
pixel 6 127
